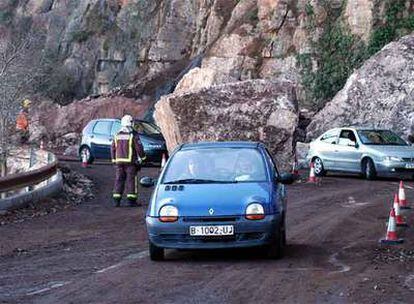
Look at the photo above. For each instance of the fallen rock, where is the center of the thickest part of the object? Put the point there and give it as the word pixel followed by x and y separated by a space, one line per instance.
pixel 253 110
pixel 380 94
pixel 63 125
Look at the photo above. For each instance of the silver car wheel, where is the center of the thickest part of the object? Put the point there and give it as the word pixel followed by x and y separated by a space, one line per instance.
pixel 318 166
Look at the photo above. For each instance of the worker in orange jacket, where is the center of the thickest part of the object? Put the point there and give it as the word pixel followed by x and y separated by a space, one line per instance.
pixel 22 121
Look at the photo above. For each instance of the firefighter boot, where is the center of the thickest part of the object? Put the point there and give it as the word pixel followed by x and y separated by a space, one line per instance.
pixel 116 200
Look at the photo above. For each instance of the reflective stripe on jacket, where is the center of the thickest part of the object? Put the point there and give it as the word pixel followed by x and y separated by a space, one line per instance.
pixel 126 148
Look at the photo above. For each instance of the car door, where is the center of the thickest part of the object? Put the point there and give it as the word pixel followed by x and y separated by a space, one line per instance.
pixel 102 139
pixel 326 148
pixel 348 154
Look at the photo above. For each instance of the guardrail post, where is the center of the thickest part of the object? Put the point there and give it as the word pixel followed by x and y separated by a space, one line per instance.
pixel 32 162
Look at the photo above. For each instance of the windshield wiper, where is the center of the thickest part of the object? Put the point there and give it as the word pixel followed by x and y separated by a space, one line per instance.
pixel 199 181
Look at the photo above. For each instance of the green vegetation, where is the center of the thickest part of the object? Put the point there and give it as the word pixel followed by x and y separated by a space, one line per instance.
pixel 5 17
pixel 80 36
pixel 337 53
pixel 394 26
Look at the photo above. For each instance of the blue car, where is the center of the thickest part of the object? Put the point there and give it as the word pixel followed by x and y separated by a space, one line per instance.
pixel 216 195
pixel 98 134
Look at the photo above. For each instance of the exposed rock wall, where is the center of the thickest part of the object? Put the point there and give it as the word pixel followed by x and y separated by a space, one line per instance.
pixel 379 94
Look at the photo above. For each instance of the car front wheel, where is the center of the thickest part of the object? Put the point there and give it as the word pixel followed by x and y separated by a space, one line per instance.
pixel 276 250
pixel 319 168
pixel 156 253
pixel 87 152
pixel 368 169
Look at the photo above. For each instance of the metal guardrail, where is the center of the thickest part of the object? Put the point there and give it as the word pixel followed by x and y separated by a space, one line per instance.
pixel 21 180
pixel 35 183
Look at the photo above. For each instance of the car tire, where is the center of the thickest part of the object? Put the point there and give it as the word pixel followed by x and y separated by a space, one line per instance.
pixel 156 253
pixel 87 151
pixel 368 169
pixel 276 250
pixel 319 168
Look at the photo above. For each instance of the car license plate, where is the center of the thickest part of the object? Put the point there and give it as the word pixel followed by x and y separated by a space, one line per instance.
pixel 409 166
pixel 211 230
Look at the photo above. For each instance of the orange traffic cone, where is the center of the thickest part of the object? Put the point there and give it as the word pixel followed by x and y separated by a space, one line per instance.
pixel 391 236
pixel 163 161
pixel 84 160
pixel 312 177
pixel 295 166
pixel 401 197
pixel 399 219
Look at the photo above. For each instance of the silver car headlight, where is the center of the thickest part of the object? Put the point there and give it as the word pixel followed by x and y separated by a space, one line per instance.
pixel 255 211
pixel 168 213
pixel 393 159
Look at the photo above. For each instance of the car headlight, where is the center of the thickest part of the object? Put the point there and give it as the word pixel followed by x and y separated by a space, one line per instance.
pixel 255 211
pixel 168 214
pixel 392 159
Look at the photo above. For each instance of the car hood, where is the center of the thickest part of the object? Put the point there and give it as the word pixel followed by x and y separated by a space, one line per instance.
pixel 224 199
pixel 398 151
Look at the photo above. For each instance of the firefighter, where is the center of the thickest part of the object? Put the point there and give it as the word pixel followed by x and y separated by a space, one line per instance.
pixel 22 122
pixel 127 154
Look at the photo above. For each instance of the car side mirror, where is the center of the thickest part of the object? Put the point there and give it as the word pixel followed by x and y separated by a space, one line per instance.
pixel 286 178
pixel 147 182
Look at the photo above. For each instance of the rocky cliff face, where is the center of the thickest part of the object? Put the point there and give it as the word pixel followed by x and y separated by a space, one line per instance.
pixel 379 94
pixel 141 50
pixel 103 44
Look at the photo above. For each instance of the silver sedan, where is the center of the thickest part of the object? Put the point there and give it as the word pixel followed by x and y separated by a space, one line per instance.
pixel 369 152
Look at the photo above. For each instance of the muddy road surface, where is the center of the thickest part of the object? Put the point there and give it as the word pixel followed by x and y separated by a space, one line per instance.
pixel 94 253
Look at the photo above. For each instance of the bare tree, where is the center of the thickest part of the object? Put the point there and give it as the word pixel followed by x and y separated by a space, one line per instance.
pixel 20 68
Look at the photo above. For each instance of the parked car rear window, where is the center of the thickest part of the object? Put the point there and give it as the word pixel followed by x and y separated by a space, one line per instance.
pixel 146 128
pixel 217 164
pixel 380 137
pixel 103 127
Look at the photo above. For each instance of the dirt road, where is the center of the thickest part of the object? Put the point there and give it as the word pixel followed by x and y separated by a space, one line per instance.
pixel 93 253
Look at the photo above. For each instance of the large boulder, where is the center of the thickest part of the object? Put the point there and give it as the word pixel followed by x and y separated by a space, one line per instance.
pixel 253 110
pixel 63 124
pixel 379 94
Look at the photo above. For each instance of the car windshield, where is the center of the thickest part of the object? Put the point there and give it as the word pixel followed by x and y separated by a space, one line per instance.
pixel 216 165
pixel 146 128
pixel 380 137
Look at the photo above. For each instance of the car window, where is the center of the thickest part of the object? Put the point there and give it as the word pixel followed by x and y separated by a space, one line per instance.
pixel 115 127
pixel 330 137
pixel 103 127
pixel 272 162
pixel 346 137
pixel 146 128
pixel 217 164
pixel 380 137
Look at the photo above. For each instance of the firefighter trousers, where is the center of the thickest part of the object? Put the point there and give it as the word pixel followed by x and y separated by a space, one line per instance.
pixel 126 179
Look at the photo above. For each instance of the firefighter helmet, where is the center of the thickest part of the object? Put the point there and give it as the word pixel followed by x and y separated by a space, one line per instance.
pixel 127 121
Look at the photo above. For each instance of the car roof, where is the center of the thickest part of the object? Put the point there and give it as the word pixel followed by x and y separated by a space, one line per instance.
pixel 220 144
pixel 359 128
pixel 105 119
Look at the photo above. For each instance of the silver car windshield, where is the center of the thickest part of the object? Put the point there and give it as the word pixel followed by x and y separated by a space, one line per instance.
pixel 380 137
pixel 216 165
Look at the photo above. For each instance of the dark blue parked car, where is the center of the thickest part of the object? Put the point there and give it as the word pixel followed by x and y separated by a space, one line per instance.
pixel 218 195
pixel 98 135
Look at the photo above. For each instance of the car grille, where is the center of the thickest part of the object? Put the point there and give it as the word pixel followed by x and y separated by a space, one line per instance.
pixel 203 219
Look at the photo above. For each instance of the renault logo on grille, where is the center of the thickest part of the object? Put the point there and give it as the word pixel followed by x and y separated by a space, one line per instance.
pixel 211 211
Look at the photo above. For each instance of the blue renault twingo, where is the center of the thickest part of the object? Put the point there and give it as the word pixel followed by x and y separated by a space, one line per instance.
pixel 214 195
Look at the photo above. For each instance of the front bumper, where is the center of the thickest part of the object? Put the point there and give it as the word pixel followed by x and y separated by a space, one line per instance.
pixel 395 169
pixel 246 233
